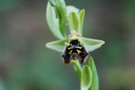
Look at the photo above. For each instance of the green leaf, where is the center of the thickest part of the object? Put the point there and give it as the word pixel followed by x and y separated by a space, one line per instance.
pixel 77 67
pixel 81 14
pixel 71 9
pixel 92 44
pixel 74 22
pixel 95 80
pixel 62 15
pixel 86 78
pixel 61 6
pixel 52 2
pixel 57 45
pixel 53 22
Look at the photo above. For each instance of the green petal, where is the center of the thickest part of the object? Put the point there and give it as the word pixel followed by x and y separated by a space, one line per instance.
pixel 95 80
pixel 81 14
pixel 57 45
pixel 53 22
pixel 92 44
pixel 74 22
pixel 86 78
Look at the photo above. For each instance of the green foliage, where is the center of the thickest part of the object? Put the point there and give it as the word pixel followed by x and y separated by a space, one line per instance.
pixel 57 24
pixel 86 78
pixel 52 2
pixel 53 22
pixel 95 81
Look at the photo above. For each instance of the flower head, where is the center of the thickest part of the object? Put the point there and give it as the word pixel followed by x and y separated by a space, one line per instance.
pixel 75 47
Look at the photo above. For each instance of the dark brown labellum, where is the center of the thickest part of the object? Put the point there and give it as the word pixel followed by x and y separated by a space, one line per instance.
pixel 74 51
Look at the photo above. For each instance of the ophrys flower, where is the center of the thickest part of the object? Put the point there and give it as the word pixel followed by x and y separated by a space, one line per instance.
pixel 75 47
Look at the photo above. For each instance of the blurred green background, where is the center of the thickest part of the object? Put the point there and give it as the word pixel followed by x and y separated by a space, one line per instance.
pixel 26 64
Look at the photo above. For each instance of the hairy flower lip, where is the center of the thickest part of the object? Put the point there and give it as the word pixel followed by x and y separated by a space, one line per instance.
pixel 74 53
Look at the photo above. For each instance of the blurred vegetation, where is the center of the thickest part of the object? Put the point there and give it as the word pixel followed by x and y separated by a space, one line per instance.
pixel 25 62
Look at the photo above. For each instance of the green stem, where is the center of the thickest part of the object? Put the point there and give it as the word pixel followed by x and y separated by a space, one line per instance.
pixel 77 68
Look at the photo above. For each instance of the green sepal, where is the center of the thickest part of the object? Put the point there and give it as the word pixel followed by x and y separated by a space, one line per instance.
pixel 92 44
pixel 53 22
pixel 81 14
pixel 86 78
pixel 57 45
pixel 95 80
pixel 74 22
pixel 71 9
